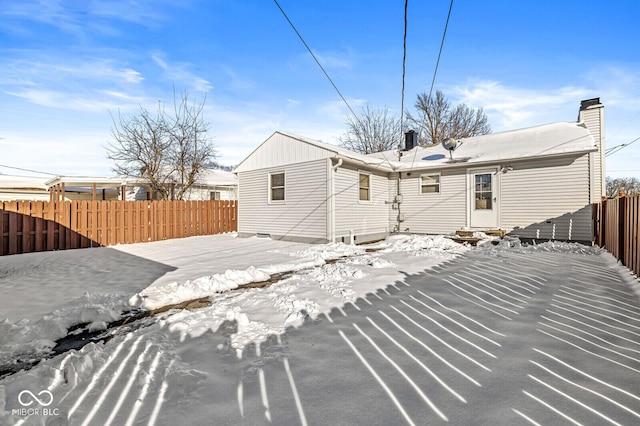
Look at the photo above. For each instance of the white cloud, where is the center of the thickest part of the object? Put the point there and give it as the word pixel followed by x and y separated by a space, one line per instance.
pixel 179 73
pixel 236 81
pixel 86 18
pixel 514 107
pixel 338 110
pixel 96 101
pixel 617 87
pixel 292 103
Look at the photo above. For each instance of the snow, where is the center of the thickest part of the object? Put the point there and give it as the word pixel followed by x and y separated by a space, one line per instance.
pixel 98 285
pixel 530 142
pixel 314 287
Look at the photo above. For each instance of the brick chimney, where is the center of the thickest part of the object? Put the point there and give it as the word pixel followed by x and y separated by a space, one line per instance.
pixel 591 115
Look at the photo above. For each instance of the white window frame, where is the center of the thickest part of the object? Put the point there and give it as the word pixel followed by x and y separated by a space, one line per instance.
pixel 214 194
pixel 437 185
pixel 368 200
pixel 284 187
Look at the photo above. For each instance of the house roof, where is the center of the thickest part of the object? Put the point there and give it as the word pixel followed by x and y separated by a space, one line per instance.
pixel 88 181
pixel 329 151
pixel 215 177
pixel 547 140
pixel 532 142
pixel 23 182
pixel 209 177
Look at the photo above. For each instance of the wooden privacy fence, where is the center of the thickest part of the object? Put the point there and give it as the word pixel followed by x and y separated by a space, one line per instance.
pixel 617 229
pixel 32 226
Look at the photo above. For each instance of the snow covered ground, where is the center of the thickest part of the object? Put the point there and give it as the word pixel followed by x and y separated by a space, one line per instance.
pixel 96 286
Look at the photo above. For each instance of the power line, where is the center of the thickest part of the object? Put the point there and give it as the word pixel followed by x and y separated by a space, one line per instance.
pixel 435 71
pixel 404 68
pixel 325 72
pixel 615 149
pixel 316 59
pixel 29 170
pixel 444 34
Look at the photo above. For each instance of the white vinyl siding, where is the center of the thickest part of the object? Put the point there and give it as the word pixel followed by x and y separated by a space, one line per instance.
pixel 360 218
pixel 430 184
pixel 434 215
pixel 547 199
pixel 303 216
pixel 594 120
pixel 280 150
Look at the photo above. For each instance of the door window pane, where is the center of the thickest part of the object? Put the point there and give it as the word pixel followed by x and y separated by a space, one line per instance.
pixel 483 193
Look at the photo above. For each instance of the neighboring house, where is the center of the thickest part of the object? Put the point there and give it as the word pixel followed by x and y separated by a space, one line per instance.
pixel 537 183
pixel 212 184
pixel 23 188
pixel 75 188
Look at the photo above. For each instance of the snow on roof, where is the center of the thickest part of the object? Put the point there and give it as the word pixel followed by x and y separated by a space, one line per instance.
pixel 209 177
pixel 213 177
pixel 82 181
pixel 532 142
pixel 23 182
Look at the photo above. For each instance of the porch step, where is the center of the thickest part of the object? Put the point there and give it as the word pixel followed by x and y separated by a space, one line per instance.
pixel 464 240
pixel 489 232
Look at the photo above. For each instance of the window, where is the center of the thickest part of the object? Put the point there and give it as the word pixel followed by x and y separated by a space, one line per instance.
pixel 483 192
pixel 214 195
pixel 365 186
pixel 276 187
pixel 430 184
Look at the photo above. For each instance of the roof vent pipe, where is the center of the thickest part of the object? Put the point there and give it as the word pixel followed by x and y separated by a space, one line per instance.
pixel 410 140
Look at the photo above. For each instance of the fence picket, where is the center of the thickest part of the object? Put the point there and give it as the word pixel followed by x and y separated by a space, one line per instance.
pixel 33 226
pixel 618 230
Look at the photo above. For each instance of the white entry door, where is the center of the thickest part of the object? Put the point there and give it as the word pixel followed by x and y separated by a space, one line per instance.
pixel 483 198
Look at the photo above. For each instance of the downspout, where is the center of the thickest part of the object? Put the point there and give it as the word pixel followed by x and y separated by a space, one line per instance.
pixel 398 201
pixel 331 200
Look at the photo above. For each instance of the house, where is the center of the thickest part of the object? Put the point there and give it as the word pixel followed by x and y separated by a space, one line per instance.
pixel 536 183
pixel 75 188
pixel 212 185
pixel 21 188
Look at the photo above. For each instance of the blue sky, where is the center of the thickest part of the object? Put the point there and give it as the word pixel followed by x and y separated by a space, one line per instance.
pixel 65 66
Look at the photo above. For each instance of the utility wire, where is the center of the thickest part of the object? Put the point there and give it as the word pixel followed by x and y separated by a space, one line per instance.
pixel 615 149
pixel 29 170
pixel 435 71
pixel 404 68
pixel 316 59
pixel 444 34
pixel 325 72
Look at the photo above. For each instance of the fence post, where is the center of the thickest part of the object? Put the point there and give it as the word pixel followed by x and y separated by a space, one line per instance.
pixel 622 209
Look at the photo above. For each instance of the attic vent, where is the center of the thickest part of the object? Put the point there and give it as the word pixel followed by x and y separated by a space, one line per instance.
pixel 410 140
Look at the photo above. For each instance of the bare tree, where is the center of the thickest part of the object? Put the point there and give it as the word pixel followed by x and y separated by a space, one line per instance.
pixel 373 131
pixel 630 185
pixel 436 120
pixel 169 148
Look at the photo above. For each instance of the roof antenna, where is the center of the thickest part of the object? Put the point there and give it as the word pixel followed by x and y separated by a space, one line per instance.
pixel 450 145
